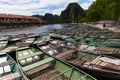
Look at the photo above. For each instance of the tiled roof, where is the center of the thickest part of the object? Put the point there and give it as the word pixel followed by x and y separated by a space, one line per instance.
pixel 30 17
pixel 16 16
pixel 4 15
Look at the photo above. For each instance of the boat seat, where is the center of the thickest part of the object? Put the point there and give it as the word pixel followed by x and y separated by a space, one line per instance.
pixel 1 71
pixel 5 70
pixel 77 61
pixel 81 79
pixel 3 59
pixel 31 66
pixel 65 54
pixel 10 76
pixel 4 63
pixel 104 64
pixel 37 69
pixel 29 40
pixel 116 51
pixel 29 55
pixel 95 60
pixel 23 62
pixel 45 47
pixel 49 75
pixel 52 52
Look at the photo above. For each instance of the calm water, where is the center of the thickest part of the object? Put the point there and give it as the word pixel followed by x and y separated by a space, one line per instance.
pixel 27 30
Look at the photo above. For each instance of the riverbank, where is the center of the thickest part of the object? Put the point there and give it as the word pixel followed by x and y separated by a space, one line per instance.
pixel 113 28
pixel 17 26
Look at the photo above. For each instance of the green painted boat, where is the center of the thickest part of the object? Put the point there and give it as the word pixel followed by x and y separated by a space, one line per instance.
pixel 98 38
pixel 9 69
pixel 42 37
pixel 97 42
pixel 103 42
pixel 112 43
pixel 29 39
pixel 64 43
pixel 3 42
pixel 100 50
pixel 106 50
pixel 93 64
pixel 109 51
pixel 7 36
pixel 52 49
pixel 22 39
pixel 108 66
pixel 39 66
pixel 18 37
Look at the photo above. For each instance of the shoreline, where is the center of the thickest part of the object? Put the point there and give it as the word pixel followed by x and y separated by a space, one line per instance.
pixel 113 28
pixel 20 26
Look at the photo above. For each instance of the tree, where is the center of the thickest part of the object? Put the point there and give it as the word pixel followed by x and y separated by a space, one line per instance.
pixel 103 10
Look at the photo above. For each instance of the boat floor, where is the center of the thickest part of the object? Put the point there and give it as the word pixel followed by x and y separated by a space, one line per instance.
pixel 8 49
pixel 10 76
pixel 76 61
pixel 104 64
pixel 65 54
pixel 37 69
pixel 50 74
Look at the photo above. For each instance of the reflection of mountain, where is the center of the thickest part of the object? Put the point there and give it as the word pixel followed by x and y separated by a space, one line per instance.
pixel 73 12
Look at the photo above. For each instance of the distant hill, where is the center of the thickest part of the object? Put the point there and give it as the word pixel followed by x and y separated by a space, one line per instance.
pixel 48 18
pixel 72 13
pixel 103 10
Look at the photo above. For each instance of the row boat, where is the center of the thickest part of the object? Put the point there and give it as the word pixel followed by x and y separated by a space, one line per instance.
pixel 41 38
pixel 9 69
pixel 100 50
pixel 95 64
pixel 3 42
pixel 39 66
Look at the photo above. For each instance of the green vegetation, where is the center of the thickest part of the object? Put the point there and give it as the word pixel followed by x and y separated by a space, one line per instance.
pixel 48 18
pixel 73 13
pixel 103 10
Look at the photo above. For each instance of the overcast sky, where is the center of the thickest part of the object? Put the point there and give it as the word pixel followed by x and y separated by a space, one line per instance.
pixel 30 7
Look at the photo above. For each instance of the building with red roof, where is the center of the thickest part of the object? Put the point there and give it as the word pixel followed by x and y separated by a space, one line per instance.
pixel 12 18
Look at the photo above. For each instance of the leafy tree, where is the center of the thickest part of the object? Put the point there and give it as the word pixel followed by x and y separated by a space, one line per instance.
pixel 103 10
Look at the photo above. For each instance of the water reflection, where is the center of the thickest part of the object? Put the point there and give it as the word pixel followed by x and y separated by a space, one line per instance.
pixel 27 30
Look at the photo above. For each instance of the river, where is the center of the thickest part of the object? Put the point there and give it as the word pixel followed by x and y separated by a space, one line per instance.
pixel 26 30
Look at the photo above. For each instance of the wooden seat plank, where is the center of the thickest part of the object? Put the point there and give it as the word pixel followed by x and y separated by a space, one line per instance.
pixel 31 66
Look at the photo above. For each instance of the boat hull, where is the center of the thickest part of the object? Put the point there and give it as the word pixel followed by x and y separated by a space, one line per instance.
pixel 104 75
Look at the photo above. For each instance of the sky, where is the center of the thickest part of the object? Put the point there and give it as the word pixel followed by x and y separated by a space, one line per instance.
pixel 32 7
